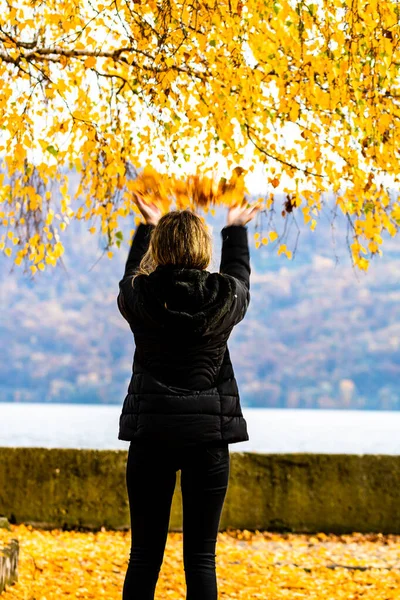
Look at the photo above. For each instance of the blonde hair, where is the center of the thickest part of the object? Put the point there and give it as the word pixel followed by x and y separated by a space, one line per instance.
pixel 180 238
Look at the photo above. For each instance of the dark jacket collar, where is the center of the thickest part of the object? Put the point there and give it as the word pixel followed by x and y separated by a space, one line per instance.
pixel 184 300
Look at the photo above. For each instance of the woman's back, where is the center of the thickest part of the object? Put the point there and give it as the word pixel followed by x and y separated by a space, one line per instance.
pixel 181 319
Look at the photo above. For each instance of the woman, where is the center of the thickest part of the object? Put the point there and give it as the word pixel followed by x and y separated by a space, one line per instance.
pixel 183 407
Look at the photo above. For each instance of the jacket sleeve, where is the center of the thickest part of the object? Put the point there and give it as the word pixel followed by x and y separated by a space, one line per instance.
pixel 235 262
pixel 139 245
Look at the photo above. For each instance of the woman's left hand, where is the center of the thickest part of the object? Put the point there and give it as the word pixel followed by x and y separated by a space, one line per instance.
pixel 151 212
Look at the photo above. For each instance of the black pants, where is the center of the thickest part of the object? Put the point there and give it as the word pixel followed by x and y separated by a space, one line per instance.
pixel 151 478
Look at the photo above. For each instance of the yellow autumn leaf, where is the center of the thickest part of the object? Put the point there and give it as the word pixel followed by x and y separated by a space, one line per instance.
pixel 90 62
pixel 273 236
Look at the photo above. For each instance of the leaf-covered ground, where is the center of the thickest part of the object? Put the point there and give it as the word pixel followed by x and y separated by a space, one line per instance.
pixel 58 564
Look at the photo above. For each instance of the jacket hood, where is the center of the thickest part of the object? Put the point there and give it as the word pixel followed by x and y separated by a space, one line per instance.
pixel 185 300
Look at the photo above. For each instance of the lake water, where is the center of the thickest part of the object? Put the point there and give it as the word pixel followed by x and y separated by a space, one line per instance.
pixel 270 430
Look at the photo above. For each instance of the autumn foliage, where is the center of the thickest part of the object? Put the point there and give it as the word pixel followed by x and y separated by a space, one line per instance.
pixel 308 89
pixel 56 565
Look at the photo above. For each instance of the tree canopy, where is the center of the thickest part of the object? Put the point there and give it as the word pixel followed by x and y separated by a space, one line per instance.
pixel 309 89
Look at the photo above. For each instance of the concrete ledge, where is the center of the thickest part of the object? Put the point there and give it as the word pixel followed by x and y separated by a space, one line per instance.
pixel 335 493
pixel 8 563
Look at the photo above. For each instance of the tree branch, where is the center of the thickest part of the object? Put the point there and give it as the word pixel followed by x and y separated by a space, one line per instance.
pixel 284 162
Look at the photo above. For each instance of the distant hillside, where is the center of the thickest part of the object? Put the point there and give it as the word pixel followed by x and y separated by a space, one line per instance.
pixel 315 335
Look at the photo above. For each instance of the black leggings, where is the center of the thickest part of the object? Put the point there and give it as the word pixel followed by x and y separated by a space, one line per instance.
pixel 151 478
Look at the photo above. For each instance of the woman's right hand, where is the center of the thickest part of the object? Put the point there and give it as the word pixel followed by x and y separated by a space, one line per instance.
pixel 240 214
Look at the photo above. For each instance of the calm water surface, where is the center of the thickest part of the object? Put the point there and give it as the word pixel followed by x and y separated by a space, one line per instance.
pixel 270 430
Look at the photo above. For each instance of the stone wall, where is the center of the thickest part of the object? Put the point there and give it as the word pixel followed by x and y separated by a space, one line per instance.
pixel 8 563
pixel 335 493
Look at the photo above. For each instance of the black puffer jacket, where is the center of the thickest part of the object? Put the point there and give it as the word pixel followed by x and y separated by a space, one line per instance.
pixel 183 389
